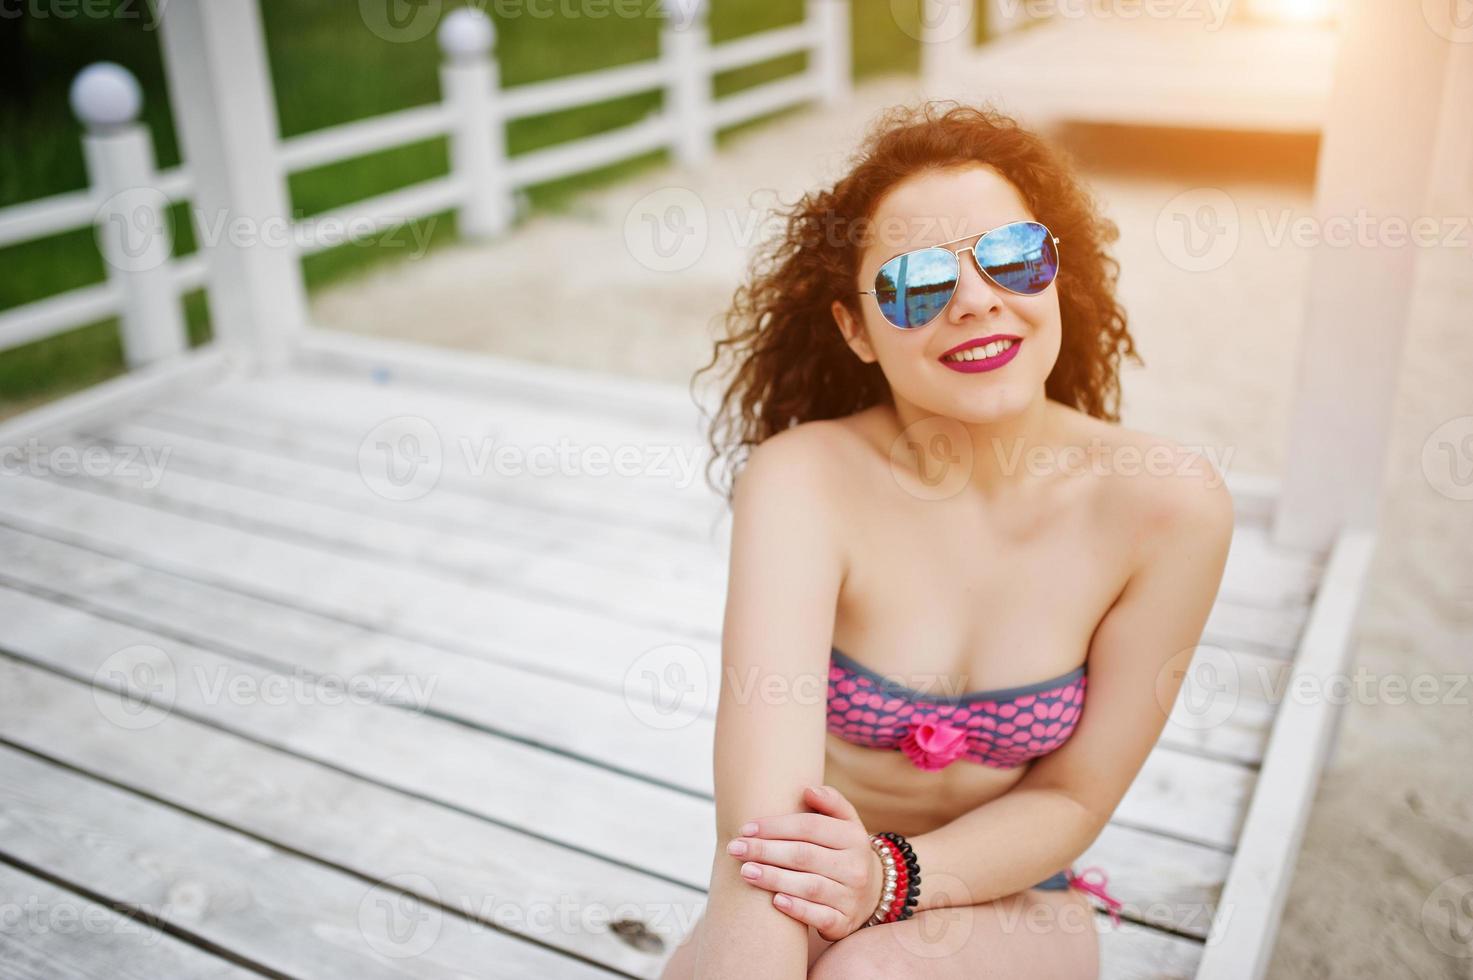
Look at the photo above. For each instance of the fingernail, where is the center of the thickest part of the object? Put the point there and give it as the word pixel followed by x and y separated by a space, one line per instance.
pixel 748 829
pixel 750 870
pixel 737 847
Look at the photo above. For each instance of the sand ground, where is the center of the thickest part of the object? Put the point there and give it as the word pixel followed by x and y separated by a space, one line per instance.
pixel 1393 819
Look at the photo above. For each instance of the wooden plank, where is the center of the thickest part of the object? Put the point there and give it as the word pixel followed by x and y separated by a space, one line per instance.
pixel 288 914
pixel 606 652
pixel 640 582
pixel 450 517
pixel 477 693
pixel 507 700
pixel 510 781
pixel 537 573
pixel 1302 741
pixel 1261 603
pixel 385 361
pixel 50 933
pixel 359 826
pixel 115 395
pixel 1159 832
pixel 1257 574
pixel 538 635
pixel 458 861
pixel 500 455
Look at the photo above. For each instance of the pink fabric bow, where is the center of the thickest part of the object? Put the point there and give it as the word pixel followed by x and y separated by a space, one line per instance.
pixel 933 745
pixel 1097 889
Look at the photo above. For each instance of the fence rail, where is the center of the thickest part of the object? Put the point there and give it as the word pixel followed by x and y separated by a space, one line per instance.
pixel 128 198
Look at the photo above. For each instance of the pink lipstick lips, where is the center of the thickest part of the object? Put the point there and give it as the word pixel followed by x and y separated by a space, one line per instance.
pixel 1005 348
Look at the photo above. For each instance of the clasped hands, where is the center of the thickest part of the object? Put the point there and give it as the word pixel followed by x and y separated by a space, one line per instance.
pixel 819 866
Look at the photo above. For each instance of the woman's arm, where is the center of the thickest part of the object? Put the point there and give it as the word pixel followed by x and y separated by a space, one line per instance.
pixel 1138 659
pixel 786 569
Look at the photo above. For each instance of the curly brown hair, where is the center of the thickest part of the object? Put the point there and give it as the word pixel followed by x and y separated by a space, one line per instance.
pixel 788 361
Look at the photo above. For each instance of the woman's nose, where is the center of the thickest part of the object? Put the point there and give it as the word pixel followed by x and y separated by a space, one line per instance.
pixel 975 293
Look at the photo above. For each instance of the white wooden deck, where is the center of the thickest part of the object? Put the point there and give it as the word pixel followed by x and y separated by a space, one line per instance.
pixel 526 817
pixel 1174 71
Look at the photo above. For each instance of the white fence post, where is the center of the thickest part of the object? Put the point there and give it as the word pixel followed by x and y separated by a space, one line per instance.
pixel 220 92
pixel 947 30
pixel 470 82
pixel 832 59
pixel 132 219
pixel 685 44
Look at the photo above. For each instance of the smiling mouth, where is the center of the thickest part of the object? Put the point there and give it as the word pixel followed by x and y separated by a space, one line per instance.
pixel 981 352
pixel 983 357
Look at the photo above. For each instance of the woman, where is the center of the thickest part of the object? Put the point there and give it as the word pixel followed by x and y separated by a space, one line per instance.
pixel 941 537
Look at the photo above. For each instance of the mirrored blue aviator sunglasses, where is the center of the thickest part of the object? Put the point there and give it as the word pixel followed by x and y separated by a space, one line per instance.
pixel 914 287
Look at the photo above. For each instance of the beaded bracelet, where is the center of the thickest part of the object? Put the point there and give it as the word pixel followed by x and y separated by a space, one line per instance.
pixel 902 878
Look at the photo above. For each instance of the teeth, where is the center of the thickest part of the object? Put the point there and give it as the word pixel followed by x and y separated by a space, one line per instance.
pixel 981 353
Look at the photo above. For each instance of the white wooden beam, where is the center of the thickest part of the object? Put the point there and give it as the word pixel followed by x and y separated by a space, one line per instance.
pixel 220 90
pixel 1241 942
pixel 1374 163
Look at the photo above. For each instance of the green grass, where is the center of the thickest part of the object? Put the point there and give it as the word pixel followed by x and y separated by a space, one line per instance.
pixel 328 68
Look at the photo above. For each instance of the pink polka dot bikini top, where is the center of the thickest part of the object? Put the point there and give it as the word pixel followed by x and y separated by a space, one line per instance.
pixel 1003 728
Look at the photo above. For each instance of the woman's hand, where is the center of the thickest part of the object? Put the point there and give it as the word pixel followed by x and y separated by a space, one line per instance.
pixel 820 866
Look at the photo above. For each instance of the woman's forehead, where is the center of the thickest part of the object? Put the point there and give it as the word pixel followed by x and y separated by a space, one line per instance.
pixel 944 207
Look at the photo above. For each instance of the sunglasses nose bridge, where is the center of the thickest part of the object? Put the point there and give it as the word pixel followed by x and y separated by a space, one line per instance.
pixel 970 259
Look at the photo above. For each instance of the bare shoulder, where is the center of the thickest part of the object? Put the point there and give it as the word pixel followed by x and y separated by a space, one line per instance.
pixel 806 458
pixel 1162 488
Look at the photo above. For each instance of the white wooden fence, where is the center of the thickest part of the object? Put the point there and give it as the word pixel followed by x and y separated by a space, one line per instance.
pixel 128 196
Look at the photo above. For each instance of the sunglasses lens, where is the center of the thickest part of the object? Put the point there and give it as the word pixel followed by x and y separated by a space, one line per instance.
pixel 914 287
pixel 1020 257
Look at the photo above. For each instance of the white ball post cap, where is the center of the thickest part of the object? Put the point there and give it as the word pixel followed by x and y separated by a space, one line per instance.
pixel 105 94
pixel 466 32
